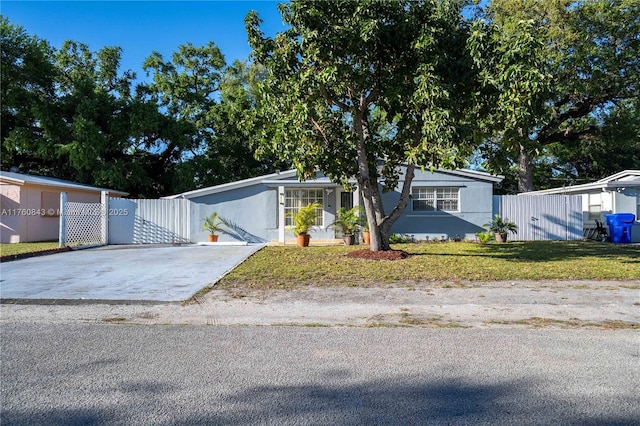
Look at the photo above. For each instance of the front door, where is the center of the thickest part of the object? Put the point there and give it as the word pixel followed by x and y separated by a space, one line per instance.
pixel 346 200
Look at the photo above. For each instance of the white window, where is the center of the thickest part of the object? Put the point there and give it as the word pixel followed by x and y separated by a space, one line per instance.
pixel 296 198
pixel 429 199
pixel 595 206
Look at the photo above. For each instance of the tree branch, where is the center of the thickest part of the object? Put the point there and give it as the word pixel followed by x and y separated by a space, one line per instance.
pixel 388 221
pixel 320 129
pixel 327 97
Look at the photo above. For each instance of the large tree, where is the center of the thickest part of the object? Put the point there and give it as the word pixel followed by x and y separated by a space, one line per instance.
pixel 69 113
pixel 205 101
pixel 590 51
pixel 27 83
pixel 615 147
pixel 359 89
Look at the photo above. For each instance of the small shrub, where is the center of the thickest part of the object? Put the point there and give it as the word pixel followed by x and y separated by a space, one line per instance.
pixel 399 239
pixel 484 236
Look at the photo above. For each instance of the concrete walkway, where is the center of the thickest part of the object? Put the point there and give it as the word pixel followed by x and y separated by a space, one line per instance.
pixel 120 273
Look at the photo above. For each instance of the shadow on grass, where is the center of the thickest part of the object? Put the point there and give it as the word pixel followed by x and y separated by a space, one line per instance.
pixel 543 251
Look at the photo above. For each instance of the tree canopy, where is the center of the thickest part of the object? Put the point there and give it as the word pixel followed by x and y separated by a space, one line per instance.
pixel 358 89
pixel 539 91
pixel 72 113
pixel 573 70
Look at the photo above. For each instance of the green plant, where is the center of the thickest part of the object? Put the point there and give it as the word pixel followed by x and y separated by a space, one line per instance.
pixel 348 220
pixel 485 236
pixel 399 239
pixel 501 226
pixel 213 223
pixel 304 218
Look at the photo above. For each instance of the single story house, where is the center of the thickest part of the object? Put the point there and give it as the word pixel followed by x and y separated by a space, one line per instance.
pixel 445 203
pixel 30 205
pixel 618 193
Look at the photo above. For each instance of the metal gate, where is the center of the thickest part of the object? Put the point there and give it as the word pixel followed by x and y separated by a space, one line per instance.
pixel 124 221
pixel 542 217
pixel 149 221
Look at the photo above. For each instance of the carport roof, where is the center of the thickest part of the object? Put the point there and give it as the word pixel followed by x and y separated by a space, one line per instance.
pixel 624 179
pixel 22 179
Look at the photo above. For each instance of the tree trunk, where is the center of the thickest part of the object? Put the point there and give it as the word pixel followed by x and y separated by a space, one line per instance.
pixel 402 202
pixel 525 170
pixel 370 192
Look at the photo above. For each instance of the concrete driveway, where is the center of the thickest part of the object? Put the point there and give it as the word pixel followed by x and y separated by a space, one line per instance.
pixel 120 273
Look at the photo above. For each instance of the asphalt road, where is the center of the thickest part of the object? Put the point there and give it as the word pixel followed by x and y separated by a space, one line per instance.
pixel 90 374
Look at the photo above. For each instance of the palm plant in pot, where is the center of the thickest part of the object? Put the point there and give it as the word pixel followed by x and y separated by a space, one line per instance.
pixel 347 222
pixel 501 228
pixel 213 223
pixel 303 221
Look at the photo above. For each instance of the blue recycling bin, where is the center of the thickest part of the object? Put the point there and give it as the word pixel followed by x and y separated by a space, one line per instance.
pixel 620 226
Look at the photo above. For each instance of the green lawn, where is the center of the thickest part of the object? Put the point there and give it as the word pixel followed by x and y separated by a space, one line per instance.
pixel 289 267
pixel 21 248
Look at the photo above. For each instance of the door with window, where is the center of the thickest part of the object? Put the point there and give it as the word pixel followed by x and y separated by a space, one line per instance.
pixel 346 200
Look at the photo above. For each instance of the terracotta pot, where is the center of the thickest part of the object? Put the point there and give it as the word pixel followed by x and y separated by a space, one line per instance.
pixel 501 238
pixel 349 240
pixel 367 237
pixel 303 240
pixel 213 238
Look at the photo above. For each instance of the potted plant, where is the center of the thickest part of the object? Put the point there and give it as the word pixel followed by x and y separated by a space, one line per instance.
pixel 347 222
pixel 366 235
pixel 303 221
pixel 213 223
pixel 501 228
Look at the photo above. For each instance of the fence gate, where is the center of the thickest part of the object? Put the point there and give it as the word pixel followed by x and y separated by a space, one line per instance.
pixel 149 221
pixel 83 224
pixel 542 217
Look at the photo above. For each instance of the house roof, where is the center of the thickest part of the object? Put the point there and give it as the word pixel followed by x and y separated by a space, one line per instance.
pixel 624 179
pixel 288 177
pixel 474 174
pixel 22 179
pixel 233 185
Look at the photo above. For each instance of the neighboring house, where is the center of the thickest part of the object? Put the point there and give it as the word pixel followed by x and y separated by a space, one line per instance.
pixel 618 193
pixel 30 205
pixel 443 204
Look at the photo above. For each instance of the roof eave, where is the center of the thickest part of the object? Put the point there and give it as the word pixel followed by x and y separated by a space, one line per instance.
pixel 203 192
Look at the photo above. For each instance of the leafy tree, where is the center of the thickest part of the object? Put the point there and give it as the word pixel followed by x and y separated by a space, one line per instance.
pixel 185 89
pixel 205 103
pixel 352 85
pixel 614 148
pixel 228 154
pixel 589 54
pixel 27 90
pixel 69 113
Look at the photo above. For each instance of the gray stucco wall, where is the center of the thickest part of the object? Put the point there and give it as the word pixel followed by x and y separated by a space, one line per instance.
pixel 475 205
pixel 253 208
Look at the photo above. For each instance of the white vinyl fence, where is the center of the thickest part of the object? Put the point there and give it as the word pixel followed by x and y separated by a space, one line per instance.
pixel 83 224
pixel 124 221
pixel 149 221
pixel 542 217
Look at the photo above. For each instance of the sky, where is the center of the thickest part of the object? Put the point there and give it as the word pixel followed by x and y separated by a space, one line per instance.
pixel 141 27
